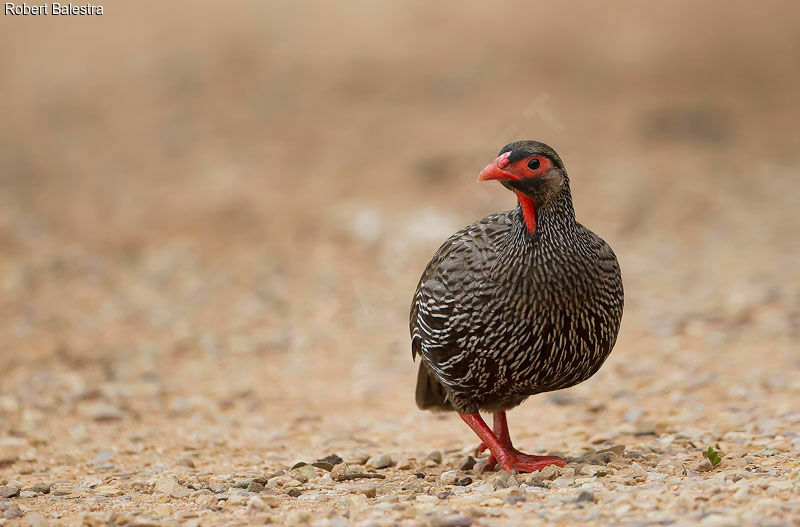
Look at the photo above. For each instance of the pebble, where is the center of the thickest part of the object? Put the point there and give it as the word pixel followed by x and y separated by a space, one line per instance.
pixel 218 488
pixel 404 463
pixel 380 461
pixel 584 496
pixel 595 470
pixel 702 466
pixel 368 490
pixel 339 471
pixel 101 412
pixel 308 472
pixel 255 486
pixel 562 481
pixel 103 456
pixel 467 463
pixel 185 462
pixel 271 500
pixel 5 505
pixel 256 504
pixel 36 519
pixel 41 488
pixel 62 490
pixel 27 494
pixel 451 521
pixel 9 492
pixel 358 458
pixel 449 478
pixel 10 514
pixel 434 457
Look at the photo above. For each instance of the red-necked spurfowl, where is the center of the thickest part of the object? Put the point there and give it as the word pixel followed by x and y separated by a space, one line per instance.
pixel 521 302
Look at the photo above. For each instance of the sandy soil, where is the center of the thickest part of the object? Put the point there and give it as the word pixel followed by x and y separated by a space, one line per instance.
pixel 212 221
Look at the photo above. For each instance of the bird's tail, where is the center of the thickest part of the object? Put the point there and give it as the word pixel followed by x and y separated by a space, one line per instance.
pixel 431 395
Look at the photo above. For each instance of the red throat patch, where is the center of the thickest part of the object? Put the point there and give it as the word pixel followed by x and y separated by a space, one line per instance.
pixel 528 210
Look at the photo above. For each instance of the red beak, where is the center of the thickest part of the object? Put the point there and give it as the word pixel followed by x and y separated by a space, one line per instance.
pixel 494 170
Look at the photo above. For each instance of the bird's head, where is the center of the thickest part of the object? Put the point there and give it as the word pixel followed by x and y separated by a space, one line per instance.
pixel 529 168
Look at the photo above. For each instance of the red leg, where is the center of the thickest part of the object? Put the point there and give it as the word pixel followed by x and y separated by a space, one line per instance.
pixel 500 446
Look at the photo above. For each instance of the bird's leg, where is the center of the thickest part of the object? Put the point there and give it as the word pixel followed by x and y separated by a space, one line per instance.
pixel 504 452
pixel 500 429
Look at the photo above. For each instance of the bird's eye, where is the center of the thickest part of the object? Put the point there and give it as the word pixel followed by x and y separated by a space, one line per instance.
pixel 533 164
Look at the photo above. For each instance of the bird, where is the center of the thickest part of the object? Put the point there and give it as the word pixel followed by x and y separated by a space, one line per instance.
pixel 521 302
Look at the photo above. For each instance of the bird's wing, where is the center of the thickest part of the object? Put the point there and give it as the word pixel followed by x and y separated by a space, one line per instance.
pixel 454 287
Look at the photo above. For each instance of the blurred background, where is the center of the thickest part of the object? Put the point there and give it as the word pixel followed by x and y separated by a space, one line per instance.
pixel 213 215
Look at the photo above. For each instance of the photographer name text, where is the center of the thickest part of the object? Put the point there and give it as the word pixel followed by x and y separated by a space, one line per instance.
pixel 51 9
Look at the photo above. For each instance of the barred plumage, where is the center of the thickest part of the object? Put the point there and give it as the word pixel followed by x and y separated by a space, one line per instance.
pixel 502 313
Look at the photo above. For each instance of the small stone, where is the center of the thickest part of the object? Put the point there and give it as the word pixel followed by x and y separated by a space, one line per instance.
pixel 5 505
pixel 256 504
pixel 339 471
pixel 9 492
pixel 594 470
pixel 358 458
pixel 463 482
pixel 369 490
pixel 255 486
pixel 493 502
pixel 602 437
pixel 41 488
pixel 308 472
pixel 103 412
pixel 435 457
pixel 332 459
pixel 294 492
pixel 404 463
pixel 562 481
pixel 497 482
pixel 565 471
pixel 92 482
pixel 514 499
pixel 218 488
pixel 180 492
pixel 103 456
pixel 108 490
pixel 547 473
pixel 380 461
pixel 62 490
pixel 185 462
pixel 467 463
pixel 584 496
pixel 449 478
pixel 451 521
pixel 36 519
pixel 702 466
pixel 272 500
pixel 165 484
pixel 27 494
pixel 297 518
pixel 10 514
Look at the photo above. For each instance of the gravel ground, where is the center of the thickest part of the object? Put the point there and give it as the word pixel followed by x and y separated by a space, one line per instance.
pixel 208 250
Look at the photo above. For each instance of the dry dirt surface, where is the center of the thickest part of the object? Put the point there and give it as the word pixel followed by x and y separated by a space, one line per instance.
pixel 212 220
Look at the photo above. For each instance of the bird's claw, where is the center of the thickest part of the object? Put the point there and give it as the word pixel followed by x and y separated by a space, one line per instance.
pixel 515 461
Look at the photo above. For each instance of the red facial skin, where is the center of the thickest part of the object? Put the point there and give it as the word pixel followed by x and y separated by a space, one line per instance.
pixel 501 170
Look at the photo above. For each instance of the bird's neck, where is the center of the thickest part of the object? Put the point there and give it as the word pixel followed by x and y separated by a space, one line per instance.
pixel 528 210
pixel 555 216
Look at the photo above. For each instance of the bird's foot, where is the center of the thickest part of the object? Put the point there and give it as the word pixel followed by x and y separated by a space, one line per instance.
pixel 512 460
